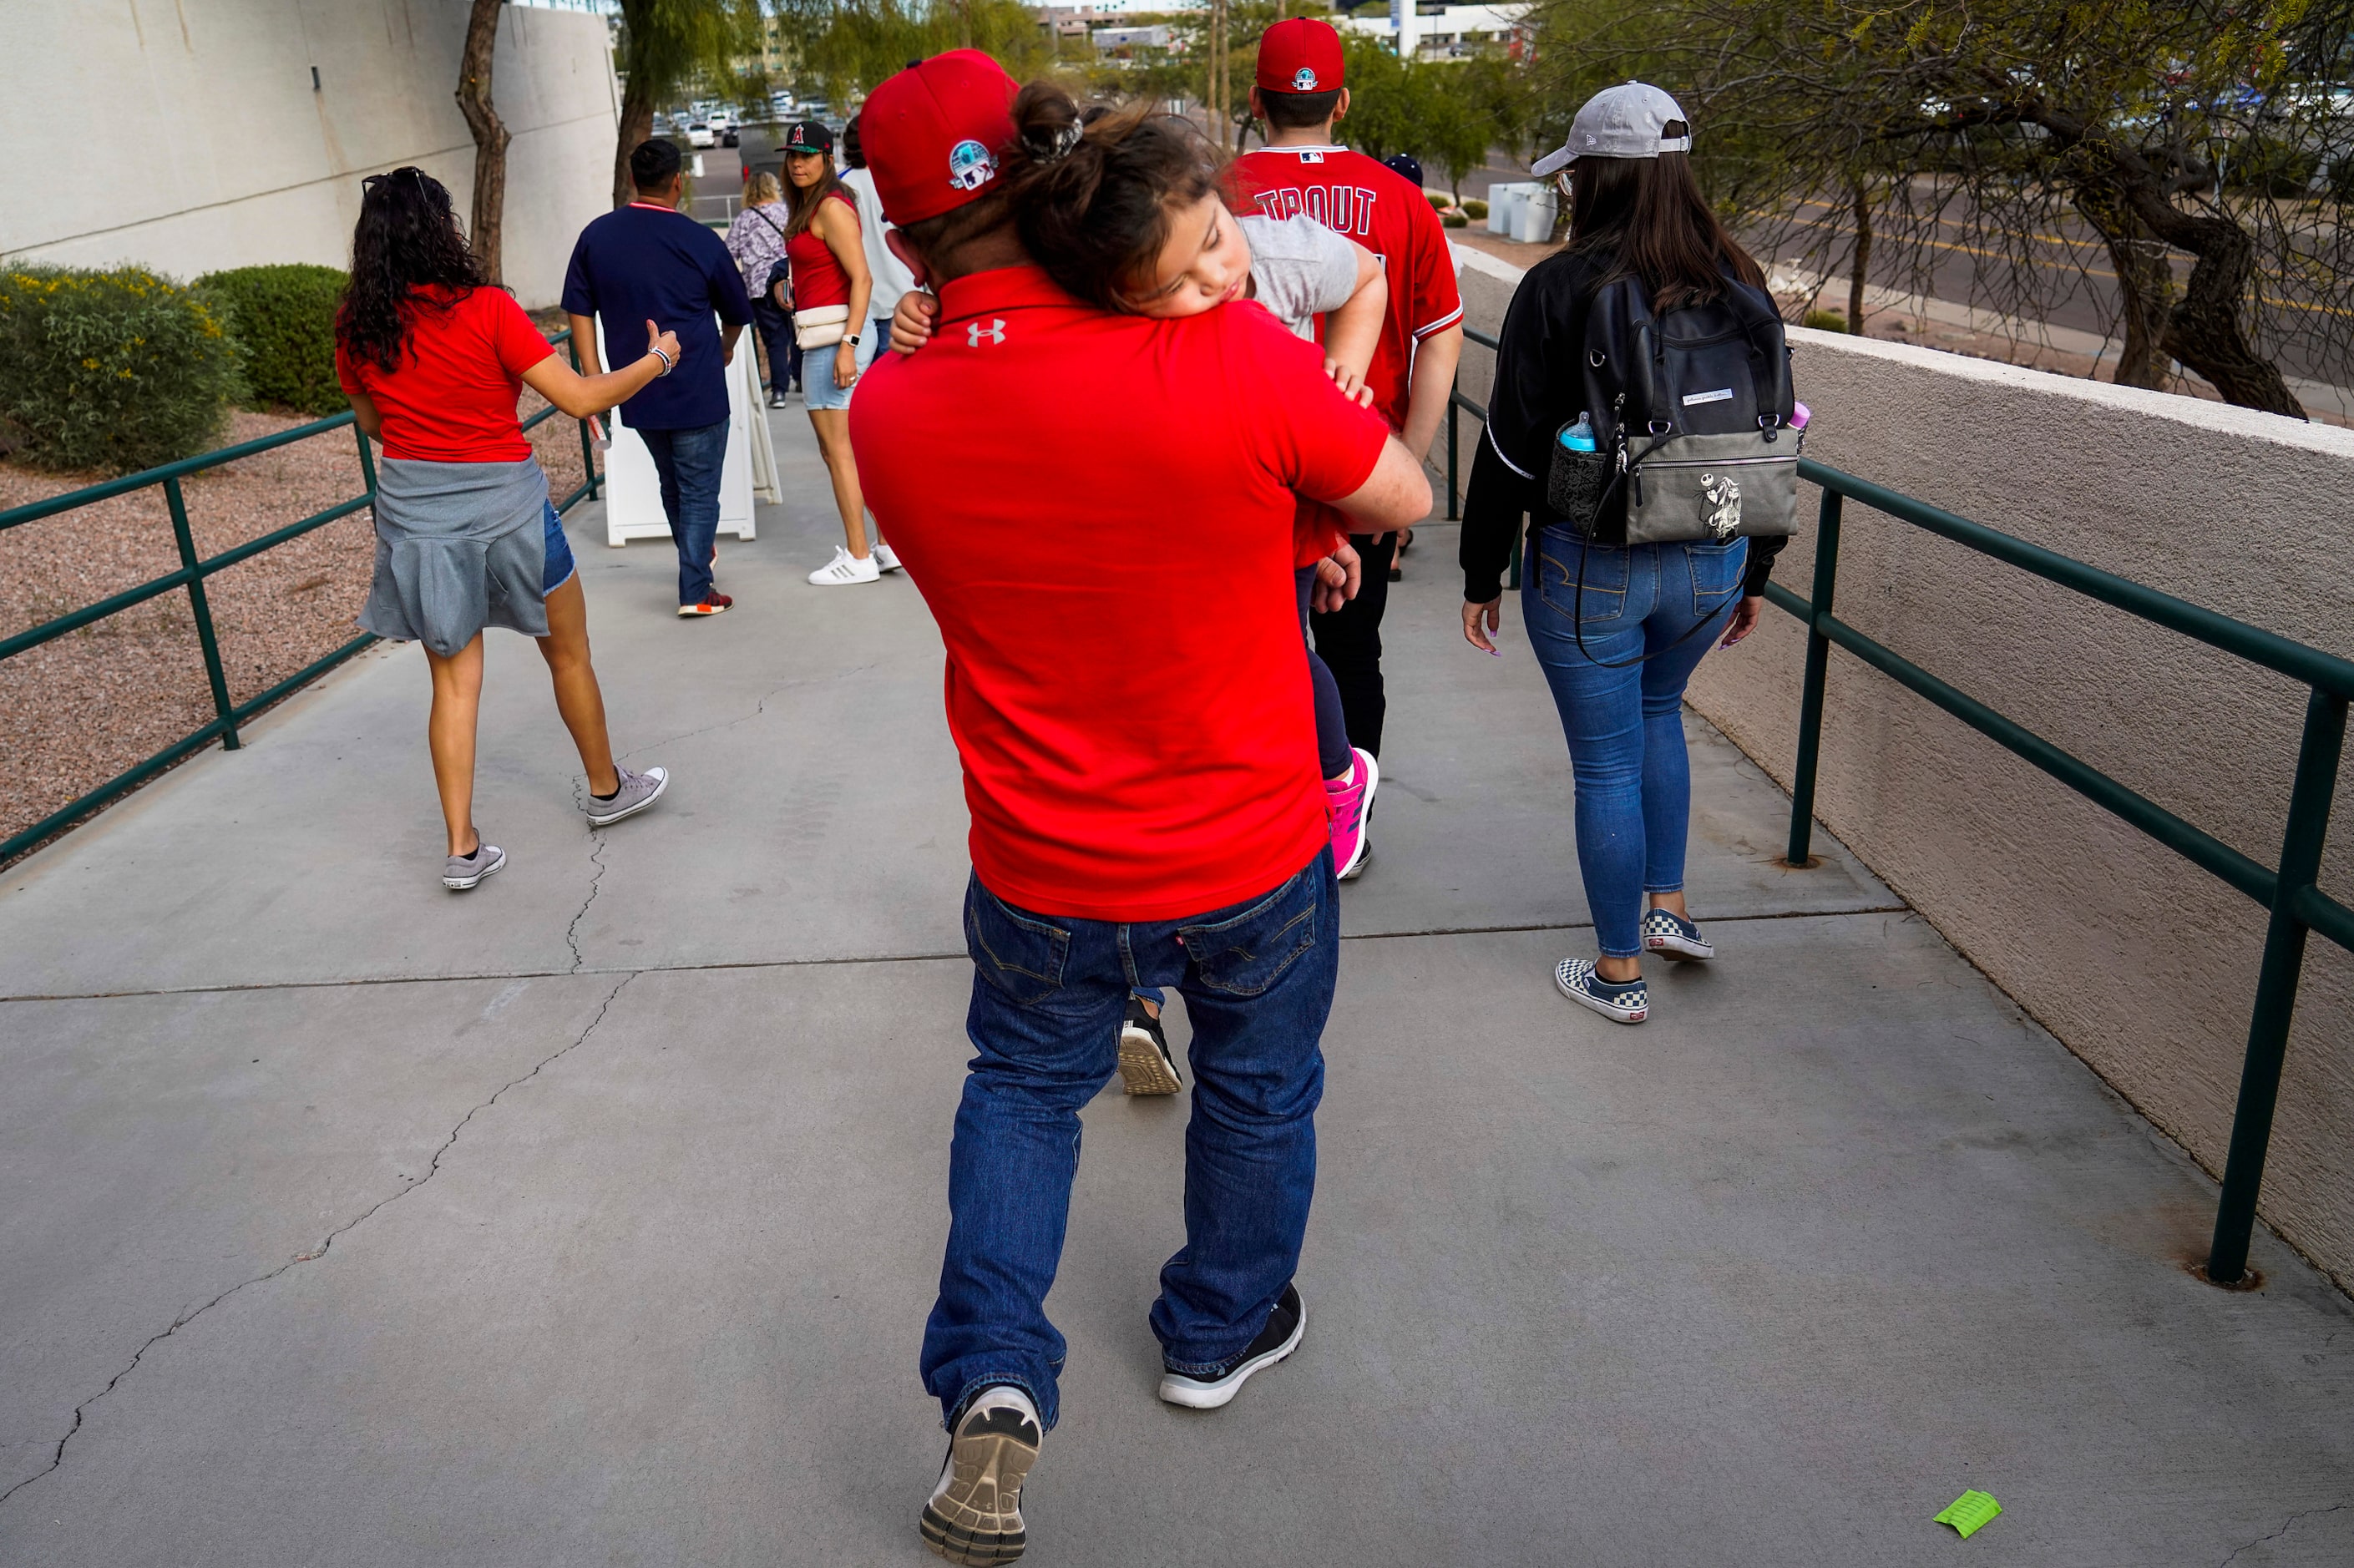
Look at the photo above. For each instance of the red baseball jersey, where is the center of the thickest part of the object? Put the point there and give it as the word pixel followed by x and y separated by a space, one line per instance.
pixel 1374 205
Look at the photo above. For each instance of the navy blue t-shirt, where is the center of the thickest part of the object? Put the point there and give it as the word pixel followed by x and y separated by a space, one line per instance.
pixel 638 264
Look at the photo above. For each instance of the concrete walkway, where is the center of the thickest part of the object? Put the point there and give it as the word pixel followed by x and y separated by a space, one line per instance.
pixel 593 1217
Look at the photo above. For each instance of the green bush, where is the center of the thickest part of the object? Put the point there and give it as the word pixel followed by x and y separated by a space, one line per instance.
pixel 1455 220
pixel 284 320
pixel 1826 321
pixel 1437 199
pixel 1474 208
pixel 119 369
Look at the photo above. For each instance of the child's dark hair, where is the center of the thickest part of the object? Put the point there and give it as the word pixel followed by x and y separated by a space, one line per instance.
pixel 1092 192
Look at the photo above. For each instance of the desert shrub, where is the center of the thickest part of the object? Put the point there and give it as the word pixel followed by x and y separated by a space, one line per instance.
pixel 284 318
pixel 1474 208
pixel 1826 321
pixel 1455 220
pixel 1437 199
pixel 118 369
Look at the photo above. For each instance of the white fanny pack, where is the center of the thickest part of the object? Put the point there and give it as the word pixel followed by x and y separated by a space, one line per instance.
pixel 821 326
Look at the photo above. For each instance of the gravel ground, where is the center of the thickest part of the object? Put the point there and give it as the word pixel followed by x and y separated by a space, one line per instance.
pixel 76 711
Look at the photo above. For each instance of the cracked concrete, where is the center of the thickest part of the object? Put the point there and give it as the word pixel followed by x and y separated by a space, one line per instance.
pixel 1836 1235
pixel 409 1184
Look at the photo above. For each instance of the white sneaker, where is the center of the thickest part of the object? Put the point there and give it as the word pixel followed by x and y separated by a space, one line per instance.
pixel 884 559
pixel 975 1513
pixel 844 569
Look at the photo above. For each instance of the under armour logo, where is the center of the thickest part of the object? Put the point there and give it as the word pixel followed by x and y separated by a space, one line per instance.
pixel 994 331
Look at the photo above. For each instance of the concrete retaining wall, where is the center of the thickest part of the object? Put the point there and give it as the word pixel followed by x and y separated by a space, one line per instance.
pixel 2142 964
pixel 186 133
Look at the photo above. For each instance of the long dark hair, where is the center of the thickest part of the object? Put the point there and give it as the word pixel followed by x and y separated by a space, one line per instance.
pixel 805 203
pixel 1092 191
pixel 1649 214
pixel 407 240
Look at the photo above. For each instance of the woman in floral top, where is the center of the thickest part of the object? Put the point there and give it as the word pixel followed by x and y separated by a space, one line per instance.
pixel 757 240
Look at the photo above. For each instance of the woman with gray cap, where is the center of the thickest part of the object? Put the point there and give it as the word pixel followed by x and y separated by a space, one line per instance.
pixel 1619 629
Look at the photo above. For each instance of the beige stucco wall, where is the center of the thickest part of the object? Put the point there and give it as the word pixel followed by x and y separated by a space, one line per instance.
pixel 184 134
pixel 2142 964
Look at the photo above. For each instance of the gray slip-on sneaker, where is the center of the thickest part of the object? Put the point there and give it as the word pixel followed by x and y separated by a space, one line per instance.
pixel 637 791
pixel 466 871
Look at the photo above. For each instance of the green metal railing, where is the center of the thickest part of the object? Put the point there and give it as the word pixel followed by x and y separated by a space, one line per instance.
pixel 193 571
pixel 2290 891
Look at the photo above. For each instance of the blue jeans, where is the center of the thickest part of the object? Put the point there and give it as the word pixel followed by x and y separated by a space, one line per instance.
pixel 1625 725
pixel 689 463
pixel 1048 996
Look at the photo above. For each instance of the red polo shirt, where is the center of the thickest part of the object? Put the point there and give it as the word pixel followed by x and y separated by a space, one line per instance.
pixel 1098 509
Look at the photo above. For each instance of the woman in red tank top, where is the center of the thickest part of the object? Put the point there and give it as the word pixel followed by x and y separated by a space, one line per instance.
pixel 831 286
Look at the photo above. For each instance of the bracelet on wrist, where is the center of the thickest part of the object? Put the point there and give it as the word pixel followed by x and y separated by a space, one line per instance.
pixel 667 362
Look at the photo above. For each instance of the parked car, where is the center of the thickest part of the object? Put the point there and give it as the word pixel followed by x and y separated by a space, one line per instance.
pixel 698 134
pixel 731 137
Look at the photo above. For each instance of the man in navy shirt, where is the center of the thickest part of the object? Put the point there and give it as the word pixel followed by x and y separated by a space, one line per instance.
pixel 649 261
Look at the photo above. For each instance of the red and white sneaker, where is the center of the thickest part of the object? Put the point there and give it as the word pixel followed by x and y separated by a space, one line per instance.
pixel 1348 808
pixel 713 604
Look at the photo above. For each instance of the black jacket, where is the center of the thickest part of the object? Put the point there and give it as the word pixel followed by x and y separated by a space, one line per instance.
pixel 1538 383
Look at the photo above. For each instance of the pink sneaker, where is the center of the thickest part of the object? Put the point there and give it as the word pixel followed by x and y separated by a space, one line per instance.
pixel 1348 806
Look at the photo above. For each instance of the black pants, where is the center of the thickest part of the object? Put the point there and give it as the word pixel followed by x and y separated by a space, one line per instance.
pixel 1349 640
pixel 775 326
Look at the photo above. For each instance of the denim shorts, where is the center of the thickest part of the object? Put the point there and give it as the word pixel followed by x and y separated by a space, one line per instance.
pixel 559 555
pixel 818 390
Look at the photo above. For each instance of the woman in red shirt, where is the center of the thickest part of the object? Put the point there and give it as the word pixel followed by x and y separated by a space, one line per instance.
pixel 433 360
pixel 830 287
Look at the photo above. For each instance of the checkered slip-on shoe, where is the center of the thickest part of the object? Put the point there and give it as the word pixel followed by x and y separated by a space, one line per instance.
pixel 1671 936
pixel 1576 980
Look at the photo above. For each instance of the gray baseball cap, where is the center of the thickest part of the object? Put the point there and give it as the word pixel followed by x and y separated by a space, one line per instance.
pixel 1628 120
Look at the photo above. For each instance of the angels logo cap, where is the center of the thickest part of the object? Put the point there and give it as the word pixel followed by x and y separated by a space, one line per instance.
pixel 1299 54
pixel 935 134
pixel 807 136
pixel 1628 120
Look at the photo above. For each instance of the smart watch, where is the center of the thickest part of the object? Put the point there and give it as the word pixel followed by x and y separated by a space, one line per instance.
pixel 851 338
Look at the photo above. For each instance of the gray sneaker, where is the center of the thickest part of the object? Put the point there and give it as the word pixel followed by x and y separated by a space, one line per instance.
pixel 466 871
pixel 637 791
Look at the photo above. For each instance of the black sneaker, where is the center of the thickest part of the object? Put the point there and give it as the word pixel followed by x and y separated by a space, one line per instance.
pixel 975 1513
pixel 1207 1391
pixel 1146 1067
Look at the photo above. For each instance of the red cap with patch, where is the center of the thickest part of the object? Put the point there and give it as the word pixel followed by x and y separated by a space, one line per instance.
pixel 1299 54
pixel 935 134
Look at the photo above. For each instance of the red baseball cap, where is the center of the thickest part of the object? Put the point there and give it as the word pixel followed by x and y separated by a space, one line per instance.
pixel 935 135
pixel 1299 54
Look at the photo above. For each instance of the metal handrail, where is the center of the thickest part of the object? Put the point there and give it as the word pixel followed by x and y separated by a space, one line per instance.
pixel 193 571
pixel 2290 891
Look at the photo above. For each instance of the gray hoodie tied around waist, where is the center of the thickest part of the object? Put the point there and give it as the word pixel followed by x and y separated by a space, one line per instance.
pixel 458 546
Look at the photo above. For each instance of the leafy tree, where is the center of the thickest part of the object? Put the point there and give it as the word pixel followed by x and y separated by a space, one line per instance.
pixel 663 46
pixel 844 48
pixel 2208 128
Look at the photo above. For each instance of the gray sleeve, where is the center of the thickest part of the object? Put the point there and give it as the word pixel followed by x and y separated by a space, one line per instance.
pixel 1300 268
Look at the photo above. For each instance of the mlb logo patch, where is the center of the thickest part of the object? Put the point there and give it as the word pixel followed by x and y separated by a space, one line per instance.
pixel 971 166
pixel 1311 157
pixel 1304 79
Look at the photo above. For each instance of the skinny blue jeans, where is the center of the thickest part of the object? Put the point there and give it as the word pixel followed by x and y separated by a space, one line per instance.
pixel 1624 725
pixel 1048 994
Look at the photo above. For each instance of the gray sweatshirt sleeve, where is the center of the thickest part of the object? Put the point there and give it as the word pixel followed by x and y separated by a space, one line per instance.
pixel 1300 267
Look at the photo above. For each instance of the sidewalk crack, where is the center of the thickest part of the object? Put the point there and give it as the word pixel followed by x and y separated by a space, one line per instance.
pixel 758 708
pixel 2284 1530
pixel 596 880
pixel 432 1168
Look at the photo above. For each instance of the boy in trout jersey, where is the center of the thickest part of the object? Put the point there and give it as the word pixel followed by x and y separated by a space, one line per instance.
pixel 1298 96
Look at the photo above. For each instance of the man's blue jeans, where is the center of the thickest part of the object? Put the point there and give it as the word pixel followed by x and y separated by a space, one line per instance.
pixel 1048 992
pixel 1625 725
pixel 689 463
